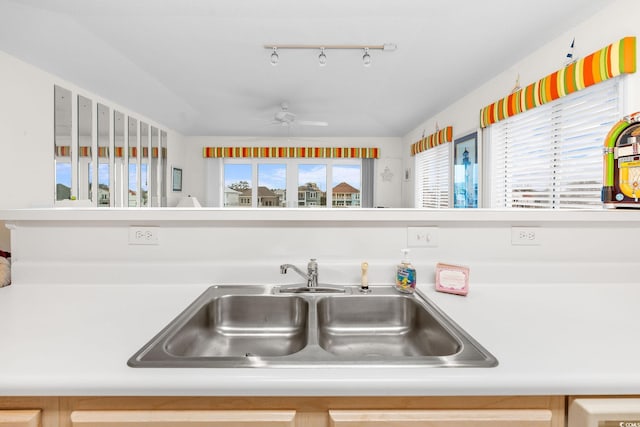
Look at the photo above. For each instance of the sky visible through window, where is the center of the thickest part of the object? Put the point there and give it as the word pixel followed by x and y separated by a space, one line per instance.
pixel 347 173
pixel 235 173
pixel 63 174
pixel 143 176
pixel 316 174
pixel 274 176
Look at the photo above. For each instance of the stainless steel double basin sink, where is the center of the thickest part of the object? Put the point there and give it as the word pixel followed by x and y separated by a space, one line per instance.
pixel 231 326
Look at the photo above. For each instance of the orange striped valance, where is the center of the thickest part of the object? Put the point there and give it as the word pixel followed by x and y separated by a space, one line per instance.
pixel 292 152
pixel 611 61
pixel 62 151
pixel 65 151
pixel 433 140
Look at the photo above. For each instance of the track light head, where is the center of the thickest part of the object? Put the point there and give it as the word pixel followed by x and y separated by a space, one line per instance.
pixel 322 58
pixel 274 59
pixel 366 58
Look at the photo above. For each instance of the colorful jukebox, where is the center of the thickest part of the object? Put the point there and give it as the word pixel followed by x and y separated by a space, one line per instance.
pixel 621 179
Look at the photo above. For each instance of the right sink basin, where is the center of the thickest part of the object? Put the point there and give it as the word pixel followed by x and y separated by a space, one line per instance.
pixel 382 326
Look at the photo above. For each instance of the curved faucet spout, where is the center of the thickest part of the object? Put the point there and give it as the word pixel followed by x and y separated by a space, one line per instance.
pixel 285 267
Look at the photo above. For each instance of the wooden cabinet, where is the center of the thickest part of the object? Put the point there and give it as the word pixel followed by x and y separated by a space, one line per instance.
pixel 291 411
pixel 442 418
pixel 183 418
pixel 28 411
pixel 20 418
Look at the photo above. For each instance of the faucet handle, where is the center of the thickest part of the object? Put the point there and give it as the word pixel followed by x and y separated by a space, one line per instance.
pixel 312 273
pixel 364 280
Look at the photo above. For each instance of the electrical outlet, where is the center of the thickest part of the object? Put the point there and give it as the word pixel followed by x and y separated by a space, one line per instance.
pixel 143 235
pixel 525 236
pixel 418 237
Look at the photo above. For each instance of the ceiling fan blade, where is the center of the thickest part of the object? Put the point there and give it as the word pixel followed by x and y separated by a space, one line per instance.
pixel 311 123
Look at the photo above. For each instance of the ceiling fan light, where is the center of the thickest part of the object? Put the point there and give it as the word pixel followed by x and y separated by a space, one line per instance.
pixel 366 58
pixel 322 58
pixel 274 57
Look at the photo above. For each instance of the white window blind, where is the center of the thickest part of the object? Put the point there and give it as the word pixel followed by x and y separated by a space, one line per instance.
pixel 551 156
pixel 432 177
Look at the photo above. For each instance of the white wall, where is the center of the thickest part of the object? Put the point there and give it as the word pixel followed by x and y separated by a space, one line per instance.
pixel 248 246
pixel 26 135
pixel 387 193
pixel 619 19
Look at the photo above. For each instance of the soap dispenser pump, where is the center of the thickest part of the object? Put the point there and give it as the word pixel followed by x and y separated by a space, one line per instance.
pixel 405 274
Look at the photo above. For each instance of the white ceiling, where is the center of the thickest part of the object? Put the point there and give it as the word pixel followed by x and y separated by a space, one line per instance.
pixel 199 66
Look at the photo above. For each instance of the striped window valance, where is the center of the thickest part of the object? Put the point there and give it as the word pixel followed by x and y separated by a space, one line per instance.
pixel 433 140
pixel 62 151
pixel 291 152
pixel 606 63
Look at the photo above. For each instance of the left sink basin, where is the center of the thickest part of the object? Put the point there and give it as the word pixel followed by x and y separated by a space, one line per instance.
pixel 243 325
pixel 230 327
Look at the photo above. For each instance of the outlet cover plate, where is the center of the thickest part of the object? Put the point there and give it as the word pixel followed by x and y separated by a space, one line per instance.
pixel 422 237
pixel 525 236
pixel 143 235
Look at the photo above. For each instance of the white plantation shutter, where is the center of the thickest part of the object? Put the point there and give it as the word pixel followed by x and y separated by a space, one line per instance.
pixel 551 156
pixel 432 177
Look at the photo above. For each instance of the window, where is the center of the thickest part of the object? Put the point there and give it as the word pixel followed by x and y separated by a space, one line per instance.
pixel 63 178
pixel 237 185
pixel 306 178
pixel 272 185
pixel 133 182
pixel 63 143
pixel 105 159
pixel 346 186
pixel 433 177
pixel 551 156
pixel 312 185
pixel 465 171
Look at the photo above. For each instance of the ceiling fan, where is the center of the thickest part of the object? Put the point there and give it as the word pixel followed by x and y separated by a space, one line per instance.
pixel 284 117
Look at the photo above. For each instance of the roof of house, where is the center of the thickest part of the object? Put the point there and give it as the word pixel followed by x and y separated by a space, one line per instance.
pixel 343 187
pixel 309 186
pixel 230 190
pixel 262 192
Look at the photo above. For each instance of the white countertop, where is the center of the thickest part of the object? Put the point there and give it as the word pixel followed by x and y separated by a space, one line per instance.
pixel 318 216
pixel 549 339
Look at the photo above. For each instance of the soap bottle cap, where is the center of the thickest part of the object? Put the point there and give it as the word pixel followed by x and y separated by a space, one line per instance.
pixel 405 256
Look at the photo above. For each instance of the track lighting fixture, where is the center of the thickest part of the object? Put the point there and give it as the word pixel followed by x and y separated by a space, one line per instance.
pixel 322 57
pixel 366 58
pixel 274 57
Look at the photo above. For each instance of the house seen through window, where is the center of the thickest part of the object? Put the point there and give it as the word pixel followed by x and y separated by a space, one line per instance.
pixel 324 183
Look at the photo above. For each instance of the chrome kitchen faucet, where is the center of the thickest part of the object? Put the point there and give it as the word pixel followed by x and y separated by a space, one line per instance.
pixel 312 272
